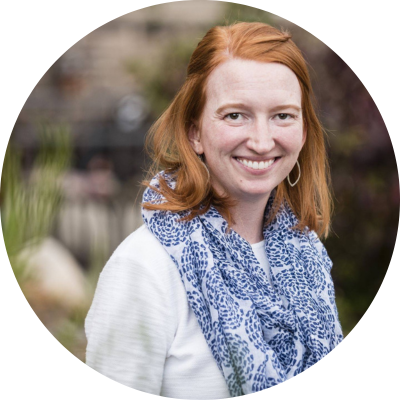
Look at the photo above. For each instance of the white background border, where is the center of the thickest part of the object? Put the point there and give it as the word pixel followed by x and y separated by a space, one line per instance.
pixel 34 34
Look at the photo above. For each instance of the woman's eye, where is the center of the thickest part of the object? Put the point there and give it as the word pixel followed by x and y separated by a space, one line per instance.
pixel 233 116
pixel 283 116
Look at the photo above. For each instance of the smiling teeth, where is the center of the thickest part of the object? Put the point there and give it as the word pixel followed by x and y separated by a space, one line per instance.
pixel 256 164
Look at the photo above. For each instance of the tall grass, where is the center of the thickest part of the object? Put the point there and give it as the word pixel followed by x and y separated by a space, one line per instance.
pixel 29 204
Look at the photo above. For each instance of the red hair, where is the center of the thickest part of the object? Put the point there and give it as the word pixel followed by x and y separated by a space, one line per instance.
pixel 169 146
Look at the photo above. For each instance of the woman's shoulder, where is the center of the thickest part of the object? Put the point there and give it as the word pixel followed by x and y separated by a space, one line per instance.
pixel 140 272
pixel 141 247
pixel 140 257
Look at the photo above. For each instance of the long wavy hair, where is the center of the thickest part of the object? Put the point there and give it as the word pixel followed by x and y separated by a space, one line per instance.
pixel 168 144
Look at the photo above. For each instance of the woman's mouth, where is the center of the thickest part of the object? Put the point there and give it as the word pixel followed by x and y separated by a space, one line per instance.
pixel 256 165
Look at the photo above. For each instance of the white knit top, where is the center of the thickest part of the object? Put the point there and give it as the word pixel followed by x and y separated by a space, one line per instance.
pixel 140 329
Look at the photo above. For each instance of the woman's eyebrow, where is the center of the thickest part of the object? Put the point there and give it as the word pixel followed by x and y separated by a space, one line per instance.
pixel 286 106
pixel 243 106
pixel 230 105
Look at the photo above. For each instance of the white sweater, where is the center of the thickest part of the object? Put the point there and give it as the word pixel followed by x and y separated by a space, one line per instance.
pixel 140 329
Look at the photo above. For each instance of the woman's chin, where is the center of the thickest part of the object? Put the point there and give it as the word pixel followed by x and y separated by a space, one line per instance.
pixel 255 194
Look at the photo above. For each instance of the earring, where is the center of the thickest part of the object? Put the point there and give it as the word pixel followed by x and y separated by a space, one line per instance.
pixel 204 165
pixel 288 179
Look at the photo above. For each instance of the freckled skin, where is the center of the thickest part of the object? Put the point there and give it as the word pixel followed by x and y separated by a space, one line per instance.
pixel 252 111
pixel 260 88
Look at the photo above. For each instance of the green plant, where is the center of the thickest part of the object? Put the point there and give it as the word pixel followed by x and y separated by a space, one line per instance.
pixel 30 204
pixel 161 80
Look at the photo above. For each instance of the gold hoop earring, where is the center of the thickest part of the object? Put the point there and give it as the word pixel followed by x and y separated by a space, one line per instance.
pixel 204 165
pixel 288 179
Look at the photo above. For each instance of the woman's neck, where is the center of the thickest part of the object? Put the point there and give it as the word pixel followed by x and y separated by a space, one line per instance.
pixel 249 220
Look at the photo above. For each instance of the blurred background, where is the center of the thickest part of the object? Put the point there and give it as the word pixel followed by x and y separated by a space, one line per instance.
pixel 70 188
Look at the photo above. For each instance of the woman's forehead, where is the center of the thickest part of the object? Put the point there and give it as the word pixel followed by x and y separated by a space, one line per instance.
pixel 239 80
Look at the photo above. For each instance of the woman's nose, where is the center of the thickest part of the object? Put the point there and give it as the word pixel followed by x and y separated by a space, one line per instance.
pixel 261 138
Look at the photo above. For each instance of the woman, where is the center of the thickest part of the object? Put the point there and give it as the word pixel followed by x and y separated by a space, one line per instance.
pixel 226 289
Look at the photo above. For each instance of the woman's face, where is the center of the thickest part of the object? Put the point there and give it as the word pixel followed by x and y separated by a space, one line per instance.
pixel 251 129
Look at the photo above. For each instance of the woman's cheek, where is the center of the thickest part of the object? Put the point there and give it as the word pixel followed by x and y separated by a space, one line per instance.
pixel 292 138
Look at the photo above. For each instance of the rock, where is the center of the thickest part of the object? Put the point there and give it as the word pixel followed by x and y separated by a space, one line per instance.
pixel 55 274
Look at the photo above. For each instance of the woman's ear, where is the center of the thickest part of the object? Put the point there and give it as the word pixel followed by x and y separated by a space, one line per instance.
pixel 194 138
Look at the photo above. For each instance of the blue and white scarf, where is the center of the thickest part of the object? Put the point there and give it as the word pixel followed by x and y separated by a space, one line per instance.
pixel 255 339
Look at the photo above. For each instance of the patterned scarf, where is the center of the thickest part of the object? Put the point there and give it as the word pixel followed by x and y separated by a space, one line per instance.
pixel 257 339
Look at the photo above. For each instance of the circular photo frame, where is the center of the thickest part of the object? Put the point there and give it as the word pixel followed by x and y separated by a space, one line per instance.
pixel 71 176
